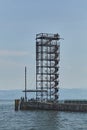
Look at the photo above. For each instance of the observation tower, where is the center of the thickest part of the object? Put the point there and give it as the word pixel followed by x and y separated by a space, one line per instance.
pixel 47 66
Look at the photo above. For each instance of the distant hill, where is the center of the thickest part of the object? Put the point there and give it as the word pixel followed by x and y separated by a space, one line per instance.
pixel 63 94
pixel 72 93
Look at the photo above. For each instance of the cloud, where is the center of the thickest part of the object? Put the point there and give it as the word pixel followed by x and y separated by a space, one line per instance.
pixel 13 53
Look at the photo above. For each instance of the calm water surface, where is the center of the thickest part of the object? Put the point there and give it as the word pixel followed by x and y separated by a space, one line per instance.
pixel 39 120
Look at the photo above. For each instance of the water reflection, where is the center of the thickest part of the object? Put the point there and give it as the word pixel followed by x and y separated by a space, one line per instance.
pixel 47 120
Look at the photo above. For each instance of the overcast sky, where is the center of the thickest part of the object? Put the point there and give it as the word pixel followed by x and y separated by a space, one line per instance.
pixel 21 20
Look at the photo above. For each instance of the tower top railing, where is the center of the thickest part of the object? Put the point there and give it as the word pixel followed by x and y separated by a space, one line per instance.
pixel 48 36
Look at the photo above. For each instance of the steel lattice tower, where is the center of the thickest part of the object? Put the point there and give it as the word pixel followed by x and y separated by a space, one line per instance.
pixel 47 66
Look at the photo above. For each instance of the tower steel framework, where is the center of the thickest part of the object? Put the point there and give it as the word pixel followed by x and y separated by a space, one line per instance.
pixel 47 66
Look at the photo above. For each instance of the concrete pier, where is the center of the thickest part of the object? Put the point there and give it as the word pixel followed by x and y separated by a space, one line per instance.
pixel 65 106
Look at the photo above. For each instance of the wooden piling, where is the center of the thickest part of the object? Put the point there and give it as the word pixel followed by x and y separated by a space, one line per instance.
pixel 17 101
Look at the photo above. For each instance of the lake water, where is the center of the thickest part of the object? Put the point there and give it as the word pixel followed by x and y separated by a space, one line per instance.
pixel 39 120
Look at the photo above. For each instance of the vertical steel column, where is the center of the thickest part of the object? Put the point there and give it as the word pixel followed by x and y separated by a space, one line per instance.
pixel 41 69
pixel 50 71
